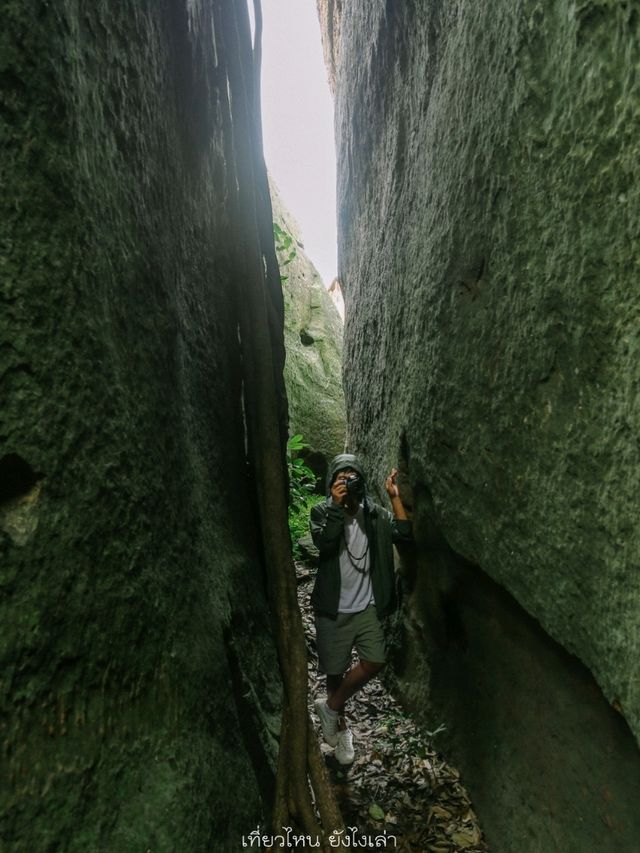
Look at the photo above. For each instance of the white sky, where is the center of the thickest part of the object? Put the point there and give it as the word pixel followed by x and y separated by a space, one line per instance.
pixel 297 117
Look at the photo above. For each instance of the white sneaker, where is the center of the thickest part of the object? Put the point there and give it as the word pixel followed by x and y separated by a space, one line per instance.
pixel 344 747
pixel 328 721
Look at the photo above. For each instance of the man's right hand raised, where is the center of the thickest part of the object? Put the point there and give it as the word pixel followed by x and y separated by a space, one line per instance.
pixel 339 492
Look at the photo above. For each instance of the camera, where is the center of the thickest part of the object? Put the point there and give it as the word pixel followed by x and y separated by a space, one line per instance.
pixel 355 486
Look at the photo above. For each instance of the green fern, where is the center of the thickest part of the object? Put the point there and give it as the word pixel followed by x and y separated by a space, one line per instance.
pixel 302 485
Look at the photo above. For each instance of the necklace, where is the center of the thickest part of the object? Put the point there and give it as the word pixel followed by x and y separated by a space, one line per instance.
pixel 362 569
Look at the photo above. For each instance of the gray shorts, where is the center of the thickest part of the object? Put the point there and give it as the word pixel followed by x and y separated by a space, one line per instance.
pixel 336 638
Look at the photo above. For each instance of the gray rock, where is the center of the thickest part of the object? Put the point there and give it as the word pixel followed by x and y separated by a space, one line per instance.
pixel 313 341
pixel 489 216
pixel 140 691
pixel 330 15
pixel 309 550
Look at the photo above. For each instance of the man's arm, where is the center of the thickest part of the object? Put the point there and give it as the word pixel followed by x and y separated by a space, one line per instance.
pixel 401 526
pixel 327 519
pixel 398 509
pixel 326 523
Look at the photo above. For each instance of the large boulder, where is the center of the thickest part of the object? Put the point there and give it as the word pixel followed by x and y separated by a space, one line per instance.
pixel 489 208
pixel 313 342
pixel 139 699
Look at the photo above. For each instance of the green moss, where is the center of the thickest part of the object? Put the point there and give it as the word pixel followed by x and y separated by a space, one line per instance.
pixel 313 341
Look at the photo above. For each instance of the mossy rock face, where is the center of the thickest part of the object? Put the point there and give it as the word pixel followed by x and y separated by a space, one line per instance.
pixel 136 714
pixel 489 212
pixel 313 341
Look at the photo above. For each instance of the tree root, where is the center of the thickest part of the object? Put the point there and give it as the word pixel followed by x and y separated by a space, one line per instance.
pixel 301 781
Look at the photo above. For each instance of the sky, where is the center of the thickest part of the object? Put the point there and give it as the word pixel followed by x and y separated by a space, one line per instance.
pixel 297 117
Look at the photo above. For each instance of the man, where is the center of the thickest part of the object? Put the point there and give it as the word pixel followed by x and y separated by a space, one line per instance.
pixel 354 588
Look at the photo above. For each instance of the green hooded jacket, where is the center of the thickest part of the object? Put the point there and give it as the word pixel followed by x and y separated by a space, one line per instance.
pixel 383 529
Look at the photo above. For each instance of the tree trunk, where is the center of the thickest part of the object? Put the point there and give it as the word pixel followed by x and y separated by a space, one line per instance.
pixel 302 785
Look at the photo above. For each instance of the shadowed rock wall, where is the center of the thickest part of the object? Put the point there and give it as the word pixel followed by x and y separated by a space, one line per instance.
pixel 139 690
pixel 488 216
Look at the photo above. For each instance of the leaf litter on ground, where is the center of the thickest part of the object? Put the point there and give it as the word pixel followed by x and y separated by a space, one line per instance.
pixel 398 781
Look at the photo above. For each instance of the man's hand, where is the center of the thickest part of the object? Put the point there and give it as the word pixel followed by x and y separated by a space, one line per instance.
pixel 339 491
pixel 391 485
pixel 393 491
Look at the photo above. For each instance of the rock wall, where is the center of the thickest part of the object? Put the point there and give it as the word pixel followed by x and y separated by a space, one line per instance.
pixel 488 218
pixel 330 15
pixel 313 343
pixel 139 694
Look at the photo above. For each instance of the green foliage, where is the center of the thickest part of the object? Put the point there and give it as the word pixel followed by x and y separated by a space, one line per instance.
pixel 285 248
pixel 302 483
pixel 299 521
pixel 302 480
pixel 376 812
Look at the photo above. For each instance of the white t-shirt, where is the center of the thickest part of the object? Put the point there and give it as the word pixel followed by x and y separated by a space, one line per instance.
pixel 356 592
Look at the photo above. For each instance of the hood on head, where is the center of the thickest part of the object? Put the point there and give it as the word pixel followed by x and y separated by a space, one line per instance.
pixel 338 463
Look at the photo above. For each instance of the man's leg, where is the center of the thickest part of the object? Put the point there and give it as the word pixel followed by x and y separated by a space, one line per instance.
pixel 369 642
pixel 350 683
pixel 334 640
pixel 333 683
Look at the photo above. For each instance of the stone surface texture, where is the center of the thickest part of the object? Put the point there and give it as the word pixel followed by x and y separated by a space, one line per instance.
pixel 489 211
pixel 313 342
pixel 139 696
pixel 330 15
